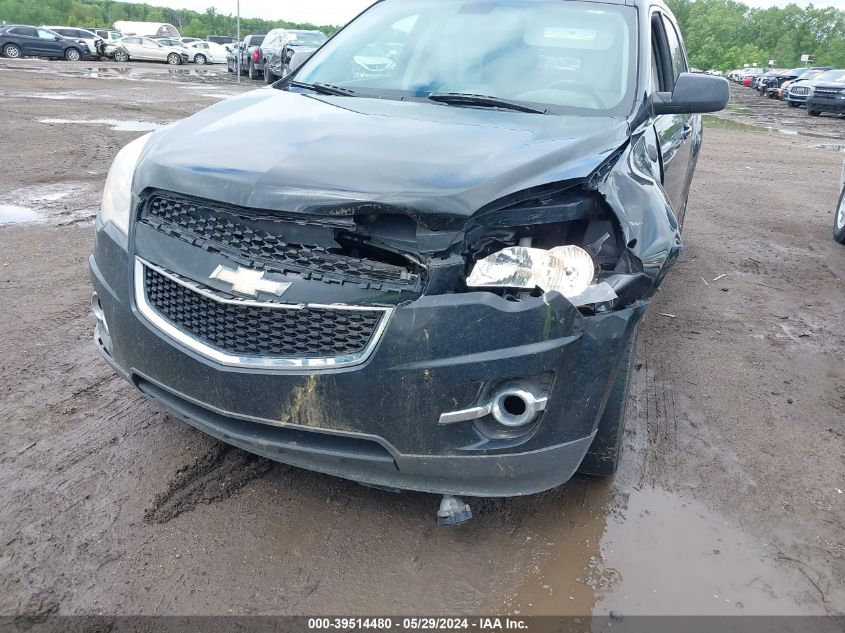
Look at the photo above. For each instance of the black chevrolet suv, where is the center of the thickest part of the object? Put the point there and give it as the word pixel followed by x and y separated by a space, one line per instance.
pixel 424 278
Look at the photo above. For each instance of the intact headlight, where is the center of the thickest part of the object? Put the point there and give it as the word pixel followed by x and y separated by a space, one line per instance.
pixel 117 194
pixel 567 269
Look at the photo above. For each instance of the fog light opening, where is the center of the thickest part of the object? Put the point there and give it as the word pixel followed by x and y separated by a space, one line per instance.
pixel 514 405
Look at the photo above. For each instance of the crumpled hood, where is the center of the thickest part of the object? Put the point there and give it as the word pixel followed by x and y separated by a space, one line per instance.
pixel 298 152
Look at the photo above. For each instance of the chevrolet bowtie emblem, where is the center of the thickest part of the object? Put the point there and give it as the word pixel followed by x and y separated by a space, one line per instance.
pixel 248 282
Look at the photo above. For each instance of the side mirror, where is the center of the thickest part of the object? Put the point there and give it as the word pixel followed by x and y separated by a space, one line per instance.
pixel 693 93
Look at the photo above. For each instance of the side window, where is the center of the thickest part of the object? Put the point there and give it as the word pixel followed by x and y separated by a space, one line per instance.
pixel 45 35
pixel 661 58
pixel 679 62
pixel 133 40
pixel 25 31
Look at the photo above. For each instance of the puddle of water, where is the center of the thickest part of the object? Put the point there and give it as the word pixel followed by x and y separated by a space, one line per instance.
pixel 115 124
pixel 732 107
pixel 650 552
pixel 831 146
pixel 713 121
pixel 13 214
pixel 57 203
pixel 53 96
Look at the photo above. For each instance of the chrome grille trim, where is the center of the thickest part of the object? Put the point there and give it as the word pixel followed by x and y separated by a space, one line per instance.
pixel 255 362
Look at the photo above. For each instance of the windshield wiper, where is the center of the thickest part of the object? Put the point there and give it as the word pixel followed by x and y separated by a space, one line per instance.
pixel 325 89
pixel 482 101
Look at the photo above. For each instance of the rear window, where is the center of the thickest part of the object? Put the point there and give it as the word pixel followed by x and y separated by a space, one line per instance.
pixel 24 30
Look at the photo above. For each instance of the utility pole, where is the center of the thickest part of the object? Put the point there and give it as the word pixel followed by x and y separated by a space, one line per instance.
pixel 239 41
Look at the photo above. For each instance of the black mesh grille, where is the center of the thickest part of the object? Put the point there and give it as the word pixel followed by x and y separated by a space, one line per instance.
pixel 245 330
pixel 235 233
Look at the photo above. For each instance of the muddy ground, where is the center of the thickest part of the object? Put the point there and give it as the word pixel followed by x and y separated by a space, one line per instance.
pixel 730 498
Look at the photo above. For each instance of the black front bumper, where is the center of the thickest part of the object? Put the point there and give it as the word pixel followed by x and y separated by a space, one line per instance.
pixel 821 104
pixel 377 422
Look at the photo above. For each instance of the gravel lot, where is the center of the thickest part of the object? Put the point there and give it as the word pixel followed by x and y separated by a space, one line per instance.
pixel 730 499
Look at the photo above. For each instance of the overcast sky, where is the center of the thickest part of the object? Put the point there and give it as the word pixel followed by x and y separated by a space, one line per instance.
pixel 341 11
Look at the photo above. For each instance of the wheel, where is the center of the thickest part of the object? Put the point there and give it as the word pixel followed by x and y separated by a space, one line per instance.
pixel 121 56
pixel 269 77
pixel 252 72
pixel 12 51
pixel 72 55
pixel 814 113
pixel 839 219
pixel 792 104
pixel 174 59
pixel 603 456
pixel 229 68
pixel 200 59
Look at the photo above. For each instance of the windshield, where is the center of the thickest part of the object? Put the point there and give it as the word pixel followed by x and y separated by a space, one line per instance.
pixel 831 75
pixel 298 38
pixel 561 56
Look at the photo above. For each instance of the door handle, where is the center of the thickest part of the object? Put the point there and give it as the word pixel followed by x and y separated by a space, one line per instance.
pixel 686 131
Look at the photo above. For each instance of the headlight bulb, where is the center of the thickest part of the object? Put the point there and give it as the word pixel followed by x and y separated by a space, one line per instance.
pixel 568 270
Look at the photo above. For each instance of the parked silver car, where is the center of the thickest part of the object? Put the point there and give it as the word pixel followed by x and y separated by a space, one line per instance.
pixel 145 49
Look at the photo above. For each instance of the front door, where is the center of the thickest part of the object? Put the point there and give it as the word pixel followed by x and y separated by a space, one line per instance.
pixel 49 45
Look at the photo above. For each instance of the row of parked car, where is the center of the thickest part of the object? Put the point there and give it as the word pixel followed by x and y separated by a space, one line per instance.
pixel 274 55
pixel 73 44
pixel 819 89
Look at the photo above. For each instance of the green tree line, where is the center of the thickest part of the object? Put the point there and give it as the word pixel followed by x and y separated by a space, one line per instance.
pixel 719 33
pixel 725 34
pixel 104 13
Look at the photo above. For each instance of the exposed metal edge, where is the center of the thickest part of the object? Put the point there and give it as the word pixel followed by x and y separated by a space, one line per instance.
pixel 255 362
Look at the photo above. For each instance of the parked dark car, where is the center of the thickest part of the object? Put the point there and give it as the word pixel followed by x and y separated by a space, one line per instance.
pixel 771 84
pixel 250 55
pixel 287 51
pixel 28 41
pixel 796 94
pixel 827 95
pixel 223 40
pixel 430 279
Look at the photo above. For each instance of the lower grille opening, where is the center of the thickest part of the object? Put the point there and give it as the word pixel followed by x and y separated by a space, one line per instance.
pixel 243 329
pixel 281 438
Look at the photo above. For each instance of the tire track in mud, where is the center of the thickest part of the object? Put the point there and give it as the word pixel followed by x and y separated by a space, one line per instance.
pixel 215 476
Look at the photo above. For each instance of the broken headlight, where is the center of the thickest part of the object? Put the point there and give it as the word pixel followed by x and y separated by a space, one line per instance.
pixel 117 194
pixel 568 270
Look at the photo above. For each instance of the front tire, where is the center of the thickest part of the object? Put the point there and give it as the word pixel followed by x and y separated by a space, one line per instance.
pixel 200 59
pixel 73 55
pixel 814 112
pixel 839 219
pixel 603 456
pixel 269 77
pixel 12 51
pixel 792 104
pixel 251 71
pixel 173 59
pixel 121 57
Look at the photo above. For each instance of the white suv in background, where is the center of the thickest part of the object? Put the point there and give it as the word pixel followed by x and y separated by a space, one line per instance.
pixel 77 34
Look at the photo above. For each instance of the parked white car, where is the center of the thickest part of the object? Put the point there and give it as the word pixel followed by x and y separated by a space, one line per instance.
pixel 145 49
pixel 77 34
pixel 202 52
